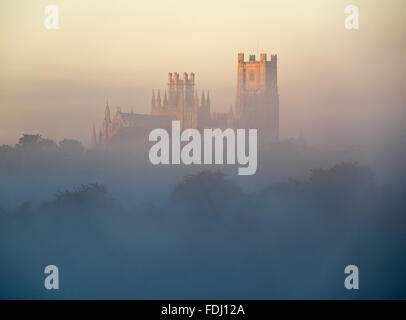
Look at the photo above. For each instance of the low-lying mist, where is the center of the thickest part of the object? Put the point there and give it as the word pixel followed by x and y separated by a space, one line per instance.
pixel 118 227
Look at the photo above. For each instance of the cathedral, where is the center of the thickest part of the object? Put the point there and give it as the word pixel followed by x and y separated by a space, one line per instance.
pixel 256 106
pixel 181 102
pixel 257 101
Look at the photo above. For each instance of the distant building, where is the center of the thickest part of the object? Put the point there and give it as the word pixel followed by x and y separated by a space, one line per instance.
pixel 257 101
pixel 111 127
pixel 257 104
pixel 182 103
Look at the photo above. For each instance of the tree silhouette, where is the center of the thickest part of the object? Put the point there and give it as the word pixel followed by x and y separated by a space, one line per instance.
pixel 23 209
pixel 92 196
pixel 34 143
pixel 344 175
pixel 206 190
pixel 5 150
pixel 71 146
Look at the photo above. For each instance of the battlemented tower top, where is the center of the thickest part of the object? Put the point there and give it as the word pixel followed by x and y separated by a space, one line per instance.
pixel 173 78
pixel 252 60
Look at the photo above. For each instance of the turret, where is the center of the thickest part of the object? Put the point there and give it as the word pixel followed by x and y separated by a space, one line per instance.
pixel 196 99
pixel 203 100
pixel 241 58
pixel 158 101
pixel 165 100
pixel 107 111
pixel 94 138
pixel 101 142
pixel 230 112
pixel 153 104
pixel 230 118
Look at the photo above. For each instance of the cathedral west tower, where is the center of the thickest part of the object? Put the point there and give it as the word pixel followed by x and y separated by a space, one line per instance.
pixel 257 100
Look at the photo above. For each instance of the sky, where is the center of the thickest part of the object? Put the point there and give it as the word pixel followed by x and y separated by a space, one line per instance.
pixel 332 81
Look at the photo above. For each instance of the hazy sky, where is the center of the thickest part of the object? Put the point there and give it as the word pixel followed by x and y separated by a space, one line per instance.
pixel 54 82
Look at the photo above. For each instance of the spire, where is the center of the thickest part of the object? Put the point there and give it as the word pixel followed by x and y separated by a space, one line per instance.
pixel 196 99
pixel 230 118
pixel 208 99
pixel 101 142
pixel 153 105
pixel 165 100
pixel 158 100
pixel 230 112
pixel 94 139
pixel 107 111
pixel 203 102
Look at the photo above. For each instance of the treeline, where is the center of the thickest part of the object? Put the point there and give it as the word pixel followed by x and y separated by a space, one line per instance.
pixel 335 193
pixel 35 144
pixel 212 239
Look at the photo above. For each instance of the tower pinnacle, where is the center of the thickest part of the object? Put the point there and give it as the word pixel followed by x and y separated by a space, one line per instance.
pixel 107 111
pixel 94 139
pixel 158 101
pixel 203 101
pixel 153 104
